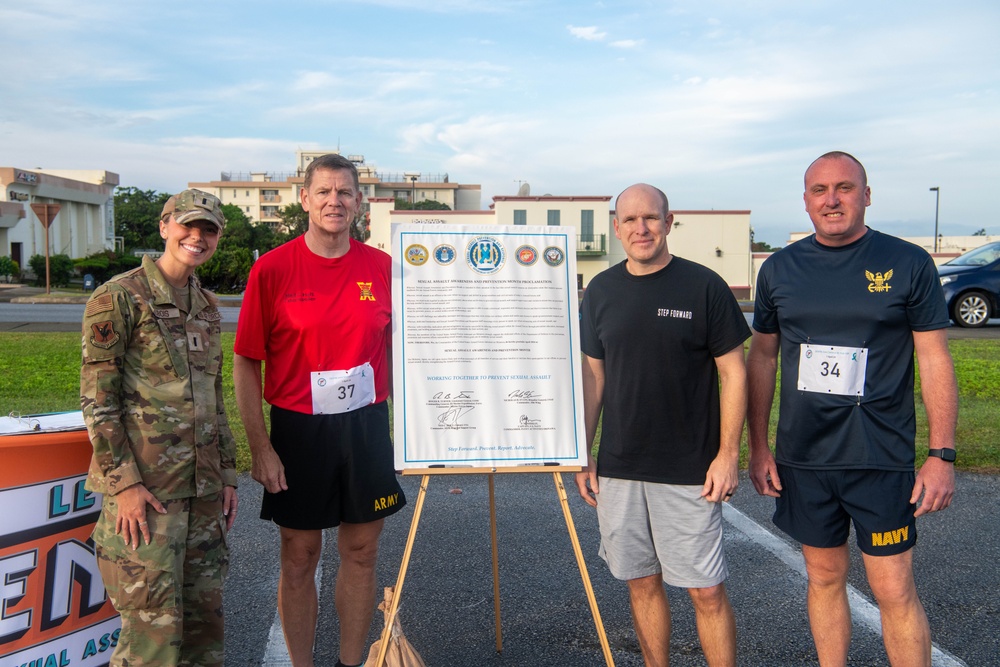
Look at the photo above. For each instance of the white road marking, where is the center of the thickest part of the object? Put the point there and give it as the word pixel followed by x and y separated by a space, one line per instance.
pixel 276 653
pixel 862 611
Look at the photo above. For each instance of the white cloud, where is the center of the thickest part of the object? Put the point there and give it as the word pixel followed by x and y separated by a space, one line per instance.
pixel 627 43
pixel 306 81
pixel 589 33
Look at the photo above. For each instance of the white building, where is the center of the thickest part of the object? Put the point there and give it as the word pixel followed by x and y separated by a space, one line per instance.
pixel 85 222
pixel 719 240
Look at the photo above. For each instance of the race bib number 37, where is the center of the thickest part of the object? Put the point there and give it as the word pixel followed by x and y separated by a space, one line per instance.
pixel 334 392
pixel 830 369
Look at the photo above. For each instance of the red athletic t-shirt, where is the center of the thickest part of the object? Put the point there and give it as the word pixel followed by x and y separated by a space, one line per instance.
pixel 303 313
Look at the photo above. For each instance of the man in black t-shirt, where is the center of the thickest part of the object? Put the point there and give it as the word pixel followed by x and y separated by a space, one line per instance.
pixel 658 333
pixel 847 308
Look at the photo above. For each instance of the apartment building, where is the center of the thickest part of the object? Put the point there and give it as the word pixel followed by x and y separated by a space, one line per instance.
pixel 262 194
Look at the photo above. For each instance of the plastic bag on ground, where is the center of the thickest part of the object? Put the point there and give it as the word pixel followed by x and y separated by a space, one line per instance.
pixel 400 653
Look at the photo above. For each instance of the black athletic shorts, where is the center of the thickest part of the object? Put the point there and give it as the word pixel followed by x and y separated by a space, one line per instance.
pixel 337 467
pixel 817 506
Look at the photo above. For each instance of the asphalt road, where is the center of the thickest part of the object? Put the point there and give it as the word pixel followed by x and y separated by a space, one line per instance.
pixel 35 317
pixel 447 600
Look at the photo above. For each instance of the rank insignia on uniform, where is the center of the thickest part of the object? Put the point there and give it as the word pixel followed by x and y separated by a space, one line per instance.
pixel 879 282
pixel 366 292
pixel 105 335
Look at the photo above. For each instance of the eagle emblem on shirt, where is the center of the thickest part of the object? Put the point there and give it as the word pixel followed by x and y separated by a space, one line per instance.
pixel 366 292
pixel 879 282
pixel 105 335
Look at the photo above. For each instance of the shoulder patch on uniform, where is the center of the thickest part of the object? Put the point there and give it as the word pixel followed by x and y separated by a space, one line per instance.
pixel 99 304
pixel 105 335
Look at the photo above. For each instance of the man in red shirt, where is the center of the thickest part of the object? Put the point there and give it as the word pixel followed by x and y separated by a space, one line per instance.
pixel 317 311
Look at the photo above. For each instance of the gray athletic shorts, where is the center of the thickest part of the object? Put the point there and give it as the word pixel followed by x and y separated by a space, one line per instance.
pixel 649 528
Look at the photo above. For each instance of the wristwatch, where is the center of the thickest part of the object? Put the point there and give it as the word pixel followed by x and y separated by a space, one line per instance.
pixel 943 454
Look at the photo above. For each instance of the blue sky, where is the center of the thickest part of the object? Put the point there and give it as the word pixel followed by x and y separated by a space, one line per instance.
pixel 721 104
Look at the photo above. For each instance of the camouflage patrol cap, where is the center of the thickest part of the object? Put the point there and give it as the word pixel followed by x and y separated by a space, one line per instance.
pixel 191 205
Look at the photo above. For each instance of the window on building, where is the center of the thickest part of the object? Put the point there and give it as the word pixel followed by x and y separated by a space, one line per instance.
pixel 520 217
pixel 269 195
pixel 269 212
pixel 248 193
pixel 553 218
pixel 248 209
pixel 587 226
pixel 234 193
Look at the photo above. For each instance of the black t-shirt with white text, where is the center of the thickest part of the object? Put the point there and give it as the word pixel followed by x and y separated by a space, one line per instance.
pixel 658 335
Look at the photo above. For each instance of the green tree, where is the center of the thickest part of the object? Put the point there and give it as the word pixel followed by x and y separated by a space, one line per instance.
pixel 761 246
pixel 430 205
pixel 423 205
pixel 137 217
pixel 981 232
pixel 106 264
pixel 227 270
pixel 294 221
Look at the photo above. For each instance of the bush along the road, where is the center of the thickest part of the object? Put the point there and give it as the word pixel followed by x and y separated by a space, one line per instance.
pixel 106 264
pixel 60 269
pixel 9 270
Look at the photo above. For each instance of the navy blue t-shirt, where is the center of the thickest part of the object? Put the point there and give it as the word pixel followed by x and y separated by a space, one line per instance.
pixel 871 294
pixel 659 335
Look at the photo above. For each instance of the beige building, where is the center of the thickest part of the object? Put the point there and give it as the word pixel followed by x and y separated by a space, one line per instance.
pixel 719 240
pixel 85 222
pixel 261 194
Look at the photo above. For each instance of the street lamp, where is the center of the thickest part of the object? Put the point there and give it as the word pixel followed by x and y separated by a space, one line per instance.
pixel 937 204
pixel 412 176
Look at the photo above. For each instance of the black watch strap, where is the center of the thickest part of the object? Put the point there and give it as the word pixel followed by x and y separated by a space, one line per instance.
pixel 943 454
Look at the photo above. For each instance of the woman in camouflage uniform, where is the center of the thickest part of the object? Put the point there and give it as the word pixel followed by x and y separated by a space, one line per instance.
pixel 164 458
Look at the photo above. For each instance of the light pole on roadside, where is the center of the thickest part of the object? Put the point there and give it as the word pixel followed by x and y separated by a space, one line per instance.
pixel 937 204
pixel 412 176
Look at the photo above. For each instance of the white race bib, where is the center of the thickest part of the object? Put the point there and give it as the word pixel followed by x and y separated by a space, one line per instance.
pixel 831 369
pixel 334 392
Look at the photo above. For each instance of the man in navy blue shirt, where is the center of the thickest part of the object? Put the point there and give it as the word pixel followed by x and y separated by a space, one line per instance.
pixel 847 307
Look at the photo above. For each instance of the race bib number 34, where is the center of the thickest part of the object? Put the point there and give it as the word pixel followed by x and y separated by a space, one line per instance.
pixel 830 369
pixel 334 392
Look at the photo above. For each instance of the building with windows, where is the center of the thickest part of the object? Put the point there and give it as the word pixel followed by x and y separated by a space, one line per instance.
pixel 83 226
pixel 719 240
pixel 261 194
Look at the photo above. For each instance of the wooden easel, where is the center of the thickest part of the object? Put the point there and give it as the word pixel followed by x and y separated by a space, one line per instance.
pixel 571 528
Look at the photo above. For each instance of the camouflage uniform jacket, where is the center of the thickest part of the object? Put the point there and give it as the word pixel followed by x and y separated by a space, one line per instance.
pixel 151 389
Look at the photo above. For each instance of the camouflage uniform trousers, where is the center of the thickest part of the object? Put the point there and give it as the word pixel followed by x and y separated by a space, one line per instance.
pixel 169 592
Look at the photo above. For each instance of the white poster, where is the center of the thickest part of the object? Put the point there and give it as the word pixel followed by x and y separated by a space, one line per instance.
pixel 486 359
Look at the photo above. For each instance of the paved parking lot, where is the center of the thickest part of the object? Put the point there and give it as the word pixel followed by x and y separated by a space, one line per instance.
pixel 447 603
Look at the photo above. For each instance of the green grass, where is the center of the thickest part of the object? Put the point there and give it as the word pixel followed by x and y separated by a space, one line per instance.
pixel 39 372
